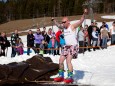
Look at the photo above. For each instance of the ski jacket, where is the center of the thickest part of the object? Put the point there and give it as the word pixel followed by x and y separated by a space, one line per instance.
pixel 30 40
pixel 38 38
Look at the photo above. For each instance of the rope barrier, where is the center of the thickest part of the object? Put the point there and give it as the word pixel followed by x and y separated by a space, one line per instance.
pixel 58 48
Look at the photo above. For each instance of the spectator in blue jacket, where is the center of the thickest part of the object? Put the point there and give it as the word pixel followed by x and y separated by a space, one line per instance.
pixel 52 45
pixel 95 37
pixel 62 40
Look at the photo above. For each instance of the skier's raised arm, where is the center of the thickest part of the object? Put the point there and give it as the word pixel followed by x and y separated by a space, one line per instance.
pixel 78 23
pixel 57 24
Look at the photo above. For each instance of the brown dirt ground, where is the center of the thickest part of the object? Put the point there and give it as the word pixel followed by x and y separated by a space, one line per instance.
pixel 40 22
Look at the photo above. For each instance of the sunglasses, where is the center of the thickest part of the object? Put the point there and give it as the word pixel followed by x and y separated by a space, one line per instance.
pixel 63 21
pixel 38 30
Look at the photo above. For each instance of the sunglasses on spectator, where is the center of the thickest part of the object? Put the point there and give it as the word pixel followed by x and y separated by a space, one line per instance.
pixel 63 21
pixel 38 30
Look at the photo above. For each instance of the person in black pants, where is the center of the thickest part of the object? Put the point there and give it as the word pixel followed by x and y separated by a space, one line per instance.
pixel 30 42
pixel 14 37
pixel 90 30
pixel 46 39
pixel 3 43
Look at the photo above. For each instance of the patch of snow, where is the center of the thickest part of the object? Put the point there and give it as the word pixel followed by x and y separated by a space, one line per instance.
pixel 108 17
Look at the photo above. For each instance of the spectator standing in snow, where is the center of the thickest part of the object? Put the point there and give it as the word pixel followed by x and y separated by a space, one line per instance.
pixel 95 37
pixel 99 39
pixel 14 37
pixel 43 46
pixel 90 29
pixel 49 33
pixel 112 32
pixel 81 38
pixel 30 42
pixel 46 39
pixel 52 45
pixel 58 39
pixel 38 39
pixel 86 40
pixel 19 46
pixel 3 43
pixel 62 40
pixel 104 37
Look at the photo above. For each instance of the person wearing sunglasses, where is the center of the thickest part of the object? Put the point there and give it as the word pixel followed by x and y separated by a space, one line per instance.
pixel 70 49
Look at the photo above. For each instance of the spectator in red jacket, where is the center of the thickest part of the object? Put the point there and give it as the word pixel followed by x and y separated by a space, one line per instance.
pixel 58 33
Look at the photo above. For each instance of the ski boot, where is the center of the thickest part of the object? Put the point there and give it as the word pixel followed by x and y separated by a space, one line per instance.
pixel 69 79
pixel 60 78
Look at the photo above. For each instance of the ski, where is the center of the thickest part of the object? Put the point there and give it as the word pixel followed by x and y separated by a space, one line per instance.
pixel 53 83
pixel 42 81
